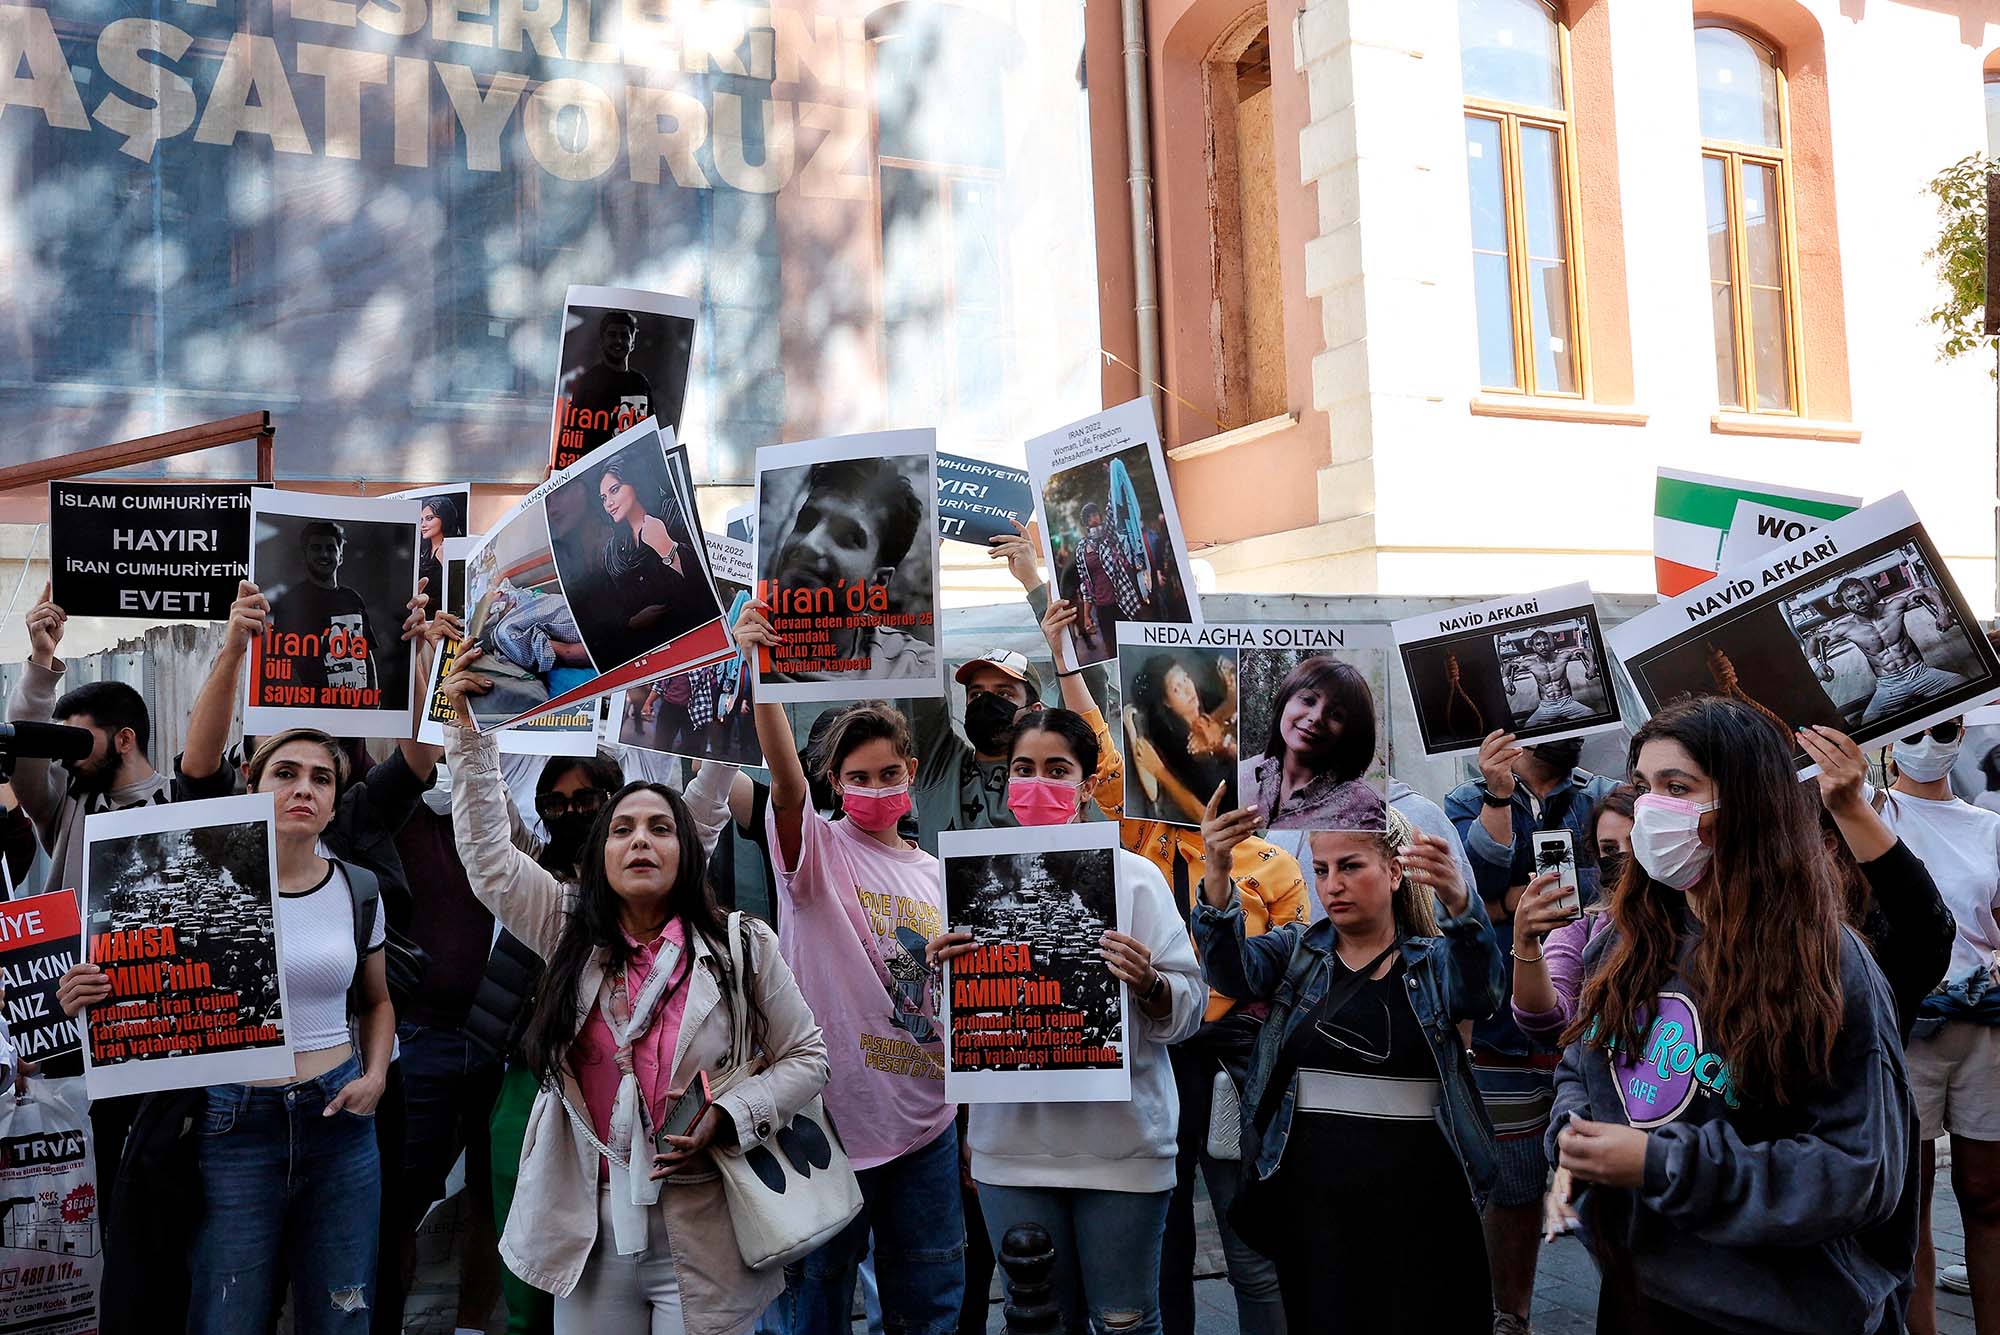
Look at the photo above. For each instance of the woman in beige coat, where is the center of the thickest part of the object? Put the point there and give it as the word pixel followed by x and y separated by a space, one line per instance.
pixel 631 1011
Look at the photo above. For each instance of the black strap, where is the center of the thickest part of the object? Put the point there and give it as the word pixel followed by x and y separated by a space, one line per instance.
pixel 1181 883
pixel 1287 1064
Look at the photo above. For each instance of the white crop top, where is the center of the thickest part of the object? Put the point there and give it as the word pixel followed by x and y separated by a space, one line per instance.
pixel 316 952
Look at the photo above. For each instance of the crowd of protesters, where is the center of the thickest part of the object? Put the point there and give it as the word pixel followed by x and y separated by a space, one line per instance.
pixel 1728 1073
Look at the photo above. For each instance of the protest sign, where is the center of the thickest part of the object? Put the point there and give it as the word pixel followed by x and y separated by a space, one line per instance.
pixel 740 522
pixel 1695 516
pixel 624 359
pixel 442 513
pixel 1032 1015
pixel 51 1212
pixel 977 500
pixel 593 583
pixel 1532 665
pixel 704 714
pixel 137 549
pixel 180 910
pixel 1285 718
pixel 1858 627
pixel 338 573
pixel 847 564
pixel 38 944
pixel 1110 529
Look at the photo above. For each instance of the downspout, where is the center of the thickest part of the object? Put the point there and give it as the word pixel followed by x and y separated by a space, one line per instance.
pixel 1139 177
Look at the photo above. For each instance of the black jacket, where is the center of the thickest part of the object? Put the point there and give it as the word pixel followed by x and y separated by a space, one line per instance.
pixel 156 1198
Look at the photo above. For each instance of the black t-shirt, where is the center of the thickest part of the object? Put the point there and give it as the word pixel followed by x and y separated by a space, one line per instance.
pixel 336 619
pixel 621 393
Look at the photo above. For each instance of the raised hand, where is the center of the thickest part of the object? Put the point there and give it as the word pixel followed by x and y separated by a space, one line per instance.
pixel 45 628
pixel 1018 551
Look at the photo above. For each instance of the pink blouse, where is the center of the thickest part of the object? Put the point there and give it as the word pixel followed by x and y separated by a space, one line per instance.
pixel 593 1056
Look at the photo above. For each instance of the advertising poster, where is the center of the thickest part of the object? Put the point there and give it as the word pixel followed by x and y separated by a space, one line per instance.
pixel 1110 529
pixel 443 511
pixel 38 944
pixel 624 359
pixel 847 563
pixel 51 1212
pixel 133 549
pixel 1857 627
pixel 593 583
pixel 1699 519
pixel 1032 1015
pixel 1532 665
pixel 978 501
pixel 704 714
pixel 339 573
pixel 180 910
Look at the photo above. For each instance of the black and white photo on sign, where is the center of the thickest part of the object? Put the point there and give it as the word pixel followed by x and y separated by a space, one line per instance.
pixel 443 512
pixel 1111 531
pixel 1032 1014
pixel 1178 726
pixel 162 551
pixel 1858 627
pixel 625 357
pixel 704 714
pixel 338 573
pixel 1313 724
pixel 846 560
pixel 1533 665
pixel 180 911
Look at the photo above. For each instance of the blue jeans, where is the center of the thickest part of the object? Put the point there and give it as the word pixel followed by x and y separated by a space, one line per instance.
pixel 290 1195
pixel 911 1207
pixel 1107 1250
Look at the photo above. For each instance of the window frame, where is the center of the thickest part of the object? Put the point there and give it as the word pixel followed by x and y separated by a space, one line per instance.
pixel 1735 157
pixel 1511 116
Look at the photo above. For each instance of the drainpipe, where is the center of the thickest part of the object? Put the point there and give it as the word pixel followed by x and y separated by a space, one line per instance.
pixel 1139 176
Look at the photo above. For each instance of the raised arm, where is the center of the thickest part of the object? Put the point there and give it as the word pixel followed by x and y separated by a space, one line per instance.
pixel 215 705
pixel 789 791
pixel 37 786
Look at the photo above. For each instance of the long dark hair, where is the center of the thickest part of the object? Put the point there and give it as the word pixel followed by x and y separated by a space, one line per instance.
pixel 590 922
pixel 622 550
pixel 1064 723
pixel 1343 685
pixel 1766 967
pixel 1164 728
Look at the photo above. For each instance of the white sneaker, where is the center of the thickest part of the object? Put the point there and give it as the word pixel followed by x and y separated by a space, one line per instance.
pixel 1955 1279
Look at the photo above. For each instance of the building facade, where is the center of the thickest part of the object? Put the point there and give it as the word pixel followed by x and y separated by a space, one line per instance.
pixel 1442 284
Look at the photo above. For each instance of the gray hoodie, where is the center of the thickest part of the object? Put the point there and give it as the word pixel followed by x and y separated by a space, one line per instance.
pixel 1751 1216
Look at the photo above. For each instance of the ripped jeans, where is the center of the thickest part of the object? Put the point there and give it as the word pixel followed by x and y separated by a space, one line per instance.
pixel 1107 1276
pixel 290 1197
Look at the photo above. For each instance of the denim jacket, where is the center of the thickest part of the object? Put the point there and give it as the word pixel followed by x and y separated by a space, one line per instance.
pixel 1450 978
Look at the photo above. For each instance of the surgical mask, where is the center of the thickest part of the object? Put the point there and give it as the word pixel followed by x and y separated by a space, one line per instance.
pixel 1037 801
pixel 1927 759
pixel 989 718
pixel 1666 839
pixel 438 796
pixel 875 809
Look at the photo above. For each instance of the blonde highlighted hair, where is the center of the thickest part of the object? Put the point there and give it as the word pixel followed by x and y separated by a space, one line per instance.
pixel 1413 905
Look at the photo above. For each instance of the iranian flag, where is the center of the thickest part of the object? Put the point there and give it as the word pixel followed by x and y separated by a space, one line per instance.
pixel 1699 521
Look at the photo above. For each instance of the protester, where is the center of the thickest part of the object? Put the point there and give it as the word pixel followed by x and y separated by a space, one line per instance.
pixel 1520 789
pixel 1548 944
pixel 17 843
pixel 855 896
pixel 1097 1176
pixel 1731 1100
pixel 637 953
pixel 1954 1057
pixel 1362 1132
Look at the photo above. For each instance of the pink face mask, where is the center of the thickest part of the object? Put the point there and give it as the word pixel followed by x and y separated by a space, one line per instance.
pixel 875 809
pixel 1037 801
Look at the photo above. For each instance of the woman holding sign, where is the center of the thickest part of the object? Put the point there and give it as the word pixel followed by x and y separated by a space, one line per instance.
pixel 630 1017
pixel 1362 1130
pixel 1097 1176
pixel 1732 1102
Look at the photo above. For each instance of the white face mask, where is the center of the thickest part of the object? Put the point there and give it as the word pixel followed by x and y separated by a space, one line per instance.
pixel 1666 839
pixel 1929 759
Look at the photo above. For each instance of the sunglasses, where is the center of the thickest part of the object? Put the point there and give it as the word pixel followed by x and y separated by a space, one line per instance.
pixel 1946 732
pixel 584 802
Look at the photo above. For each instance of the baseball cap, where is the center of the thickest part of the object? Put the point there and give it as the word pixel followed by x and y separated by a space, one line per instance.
pixel 1009 661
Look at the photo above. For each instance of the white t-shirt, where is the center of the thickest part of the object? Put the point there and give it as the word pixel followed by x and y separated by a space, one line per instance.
pixel 1960 845
pixel 316 953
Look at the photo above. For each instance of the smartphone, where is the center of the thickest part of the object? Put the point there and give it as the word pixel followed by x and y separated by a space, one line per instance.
pixel 1555 851
pixel 687 1110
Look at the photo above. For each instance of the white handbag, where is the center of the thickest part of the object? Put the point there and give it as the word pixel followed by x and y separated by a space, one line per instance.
pixel 797 1190
pixel 1225 1119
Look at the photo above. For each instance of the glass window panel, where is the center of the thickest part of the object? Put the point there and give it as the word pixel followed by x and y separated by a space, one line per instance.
pixel 1770 361
pixel 1489 193
pixel 1715 182
pixel 1738 88
pixel 1541 185
pixel 1496 321
pixel 1715 190
pixel 1555 352
pixel 1548 260
pixel 1492 289
pixel 1992 117
pixel 1509 52
pixel 1761 237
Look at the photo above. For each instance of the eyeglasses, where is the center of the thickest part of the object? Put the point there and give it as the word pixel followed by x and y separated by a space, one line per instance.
pixel 584 802
pixel 1946 732
pixel 1345 1033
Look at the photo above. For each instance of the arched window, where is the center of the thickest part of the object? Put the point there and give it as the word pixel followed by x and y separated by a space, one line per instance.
pixel 1745 175
pixel 1518 154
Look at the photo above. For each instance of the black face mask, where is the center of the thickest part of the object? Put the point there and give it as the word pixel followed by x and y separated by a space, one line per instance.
pixel 568 831
pixel 1610 866
pixel 989 721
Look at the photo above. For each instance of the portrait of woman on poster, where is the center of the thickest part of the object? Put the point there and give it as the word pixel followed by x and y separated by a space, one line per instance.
pixel 1183 731
pixel 648 559
pixel 1312 775
pixel 437 520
